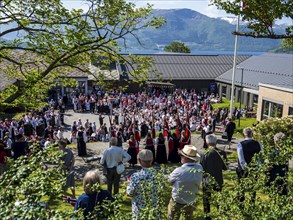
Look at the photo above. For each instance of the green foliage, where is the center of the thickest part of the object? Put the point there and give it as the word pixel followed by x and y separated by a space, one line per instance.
pixel 287 44
pixel 269 204
pixel 177 47
pixel 266 130
pixel 260 15
pixel 53 41
pixel 28 181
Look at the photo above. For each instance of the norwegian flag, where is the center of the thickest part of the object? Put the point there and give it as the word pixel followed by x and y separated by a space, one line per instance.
pixel 69 200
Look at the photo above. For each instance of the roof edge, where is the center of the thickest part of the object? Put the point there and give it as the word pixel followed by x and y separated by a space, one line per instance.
pixel 275 87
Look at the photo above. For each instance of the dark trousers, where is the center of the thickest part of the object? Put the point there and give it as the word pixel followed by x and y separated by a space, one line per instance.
pixel 207 194
pixel 113 178
pixel 242 175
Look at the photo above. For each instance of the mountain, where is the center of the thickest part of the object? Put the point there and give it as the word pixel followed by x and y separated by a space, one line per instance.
pixel 197 31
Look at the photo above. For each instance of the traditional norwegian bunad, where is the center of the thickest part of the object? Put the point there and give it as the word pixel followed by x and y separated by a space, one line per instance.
pixel 184 140
pixel 166 128
pixel 173 156
pixel 149 144
pixel 132 150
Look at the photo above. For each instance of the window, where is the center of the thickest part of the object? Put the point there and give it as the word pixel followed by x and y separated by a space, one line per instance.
pixel 224 91
pixel 239 95
pixel 290 111
pixel 271 109
pixel 255 98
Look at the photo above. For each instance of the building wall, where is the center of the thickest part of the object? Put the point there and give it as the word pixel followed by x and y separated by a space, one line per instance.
pixel 198 85
pixel 247 98
pixel 284 98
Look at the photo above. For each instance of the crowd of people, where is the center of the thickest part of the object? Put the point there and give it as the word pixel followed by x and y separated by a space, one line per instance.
pixel 156 128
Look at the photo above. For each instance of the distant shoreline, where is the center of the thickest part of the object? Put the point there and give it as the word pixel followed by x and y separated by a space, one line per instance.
pixel 198 52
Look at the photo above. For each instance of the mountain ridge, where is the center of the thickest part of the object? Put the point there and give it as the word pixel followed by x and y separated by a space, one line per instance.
pixel 198 32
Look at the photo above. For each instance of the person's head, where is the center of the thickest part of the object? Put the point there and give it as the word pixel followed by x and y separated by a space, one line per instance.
pixel 247 132
pixel 189 154
pixel 145 158
pixel 19 137
pixel 149 135
pixel 211 140
pixel 91 178
pixel 278 137
pixel 62 144
pixel 174 136
pixel 113 141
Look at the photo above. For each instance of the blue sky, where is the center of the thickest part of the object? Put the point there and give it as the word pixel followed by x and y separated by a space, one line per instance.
pixel 201 6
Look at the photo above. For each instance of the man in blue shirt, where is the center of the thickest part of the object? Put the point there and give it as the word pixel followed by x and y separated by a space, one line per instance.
pixel 186 182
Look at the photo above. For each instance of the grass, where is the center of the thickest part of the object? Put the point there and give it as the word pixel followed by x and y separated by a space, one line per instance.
pixel 230 179
pixel 244 122
pixel 225 104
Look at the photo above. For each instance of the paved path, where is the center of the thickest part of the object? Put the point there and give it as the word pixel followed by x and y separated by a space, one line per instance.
pixel 94 149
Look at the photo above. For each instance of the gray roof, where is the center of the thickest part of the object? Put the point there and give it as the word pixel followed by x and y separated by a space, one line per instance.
pixel 191 67
pixel 272 69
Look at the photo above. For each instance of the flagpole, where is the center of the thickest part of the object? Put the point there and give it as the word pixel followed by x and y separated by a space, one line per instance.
pixel 234 66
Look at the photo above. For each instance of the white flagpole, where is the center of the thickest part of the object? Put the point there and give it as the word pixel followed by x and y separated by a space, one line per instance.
pixel 234 66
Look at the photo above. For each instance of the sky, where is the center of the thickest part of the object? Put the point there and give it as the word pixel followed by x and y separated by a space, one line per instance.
pixel 201 6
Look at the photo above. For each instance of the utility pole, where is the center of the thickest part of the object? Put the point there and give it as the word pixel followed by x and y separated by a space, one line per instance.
pixel 241 91
pixel 234 67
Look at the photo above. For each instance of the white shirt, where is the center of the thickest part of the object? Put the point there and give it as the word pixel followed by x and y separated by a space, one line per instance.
pixel 114 155
pixel 60 134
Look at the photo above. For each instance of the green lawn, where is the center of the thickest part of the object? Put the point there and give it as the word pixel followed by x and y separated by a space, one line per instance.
pixel 230 180
pixel 225 104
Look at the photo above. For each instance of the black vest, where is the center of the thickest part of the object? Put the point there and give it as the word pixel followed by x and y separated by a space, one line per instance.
pixel 250 148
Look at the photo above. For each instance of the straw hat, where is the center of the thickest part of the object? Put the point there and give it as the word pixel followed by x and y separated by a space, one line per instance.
pixel 190 152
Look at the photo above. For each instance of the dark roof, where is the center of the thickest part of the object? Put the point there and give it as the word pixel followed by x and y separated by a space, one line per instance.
pixel 160 84
pixel 272 69
pixel 186 66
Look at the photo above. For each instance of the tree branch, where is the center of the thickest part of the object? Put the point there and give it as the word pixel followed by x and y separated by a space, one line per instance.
pixel 255 35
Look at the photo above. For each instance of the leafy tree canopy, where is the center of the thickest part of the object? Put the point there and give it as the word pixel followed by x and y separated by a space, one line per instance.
pixel 52 41
pixel 287 43
pixel 177 47
pixel 260 15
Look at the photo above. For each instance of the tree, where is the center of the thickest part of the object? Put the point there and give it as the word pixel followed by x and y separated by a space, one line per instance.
pixel 177 47
pixel 28 181
pixel 269 204
pixel 287 43
pixel 260 15
pixel 51 40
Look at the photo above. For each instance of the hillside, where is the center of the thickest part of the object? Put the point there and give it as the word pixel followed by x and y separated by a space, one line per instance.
pixel 199 32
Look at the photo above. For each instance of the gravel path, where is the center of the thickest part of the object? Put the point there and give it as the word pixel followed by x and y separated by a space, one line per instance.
pixel 94 149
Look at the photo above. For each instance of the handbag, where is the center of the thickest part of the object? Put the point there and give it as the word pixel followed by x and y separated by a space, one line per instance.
pixel 224 135
pixel 120 168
